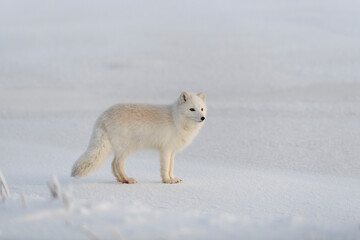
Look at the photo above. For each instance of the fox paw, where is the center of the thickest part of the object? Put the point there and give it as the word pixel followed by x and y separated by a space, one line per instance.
pixel 129 181
pixel 172 180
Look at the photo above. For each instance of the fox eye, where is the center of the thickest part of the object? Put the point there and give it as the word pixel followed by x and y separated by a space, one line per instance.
pixel 202 109
pixel 192 109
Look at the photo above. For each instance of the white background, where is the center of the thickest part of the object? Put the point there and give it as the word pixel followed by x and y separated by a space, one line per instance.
pixel 278 155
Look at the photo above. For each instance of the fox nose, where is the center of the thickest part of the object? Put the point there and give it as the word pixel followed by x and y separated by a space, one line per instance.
pixel 202 118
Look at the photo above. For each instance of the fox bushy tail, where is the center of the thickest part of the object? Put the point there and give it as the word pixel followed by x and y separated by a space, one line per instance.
pixel 98 150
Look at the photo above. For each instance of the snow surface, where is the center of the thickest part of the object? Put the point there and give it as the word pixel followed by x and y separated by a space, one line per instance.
pixel 278 157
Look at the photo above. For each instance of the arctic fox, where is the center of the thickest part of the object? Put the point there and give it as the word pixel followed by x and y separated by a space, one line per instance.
pixel 125 128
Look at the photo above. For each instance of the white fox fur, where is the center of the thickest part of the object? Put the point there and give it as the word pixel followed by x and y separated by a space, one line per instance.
pixel 125 128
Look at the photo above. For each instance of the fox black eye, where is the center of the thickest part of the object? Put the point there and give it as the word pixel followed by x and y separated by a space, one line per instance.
pixel 192 109
pixel 202 109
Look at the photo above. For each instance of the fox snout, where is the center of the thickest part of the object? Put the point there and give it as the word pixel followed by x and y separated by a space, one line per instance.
pixel 202 118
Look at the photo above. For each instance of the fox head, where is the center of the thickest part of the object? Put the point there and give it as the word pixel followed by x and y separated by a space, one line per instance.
pixel 193 107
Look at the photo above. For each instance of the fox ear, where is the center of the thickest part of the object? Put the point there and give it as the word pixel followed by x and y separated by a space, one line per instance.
pixel 184 97
pixel 202 96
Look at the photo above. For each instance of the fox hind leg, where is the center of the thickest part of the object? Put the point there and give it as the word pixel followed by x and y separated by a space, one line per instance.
pixel 115 171
pixel 118 169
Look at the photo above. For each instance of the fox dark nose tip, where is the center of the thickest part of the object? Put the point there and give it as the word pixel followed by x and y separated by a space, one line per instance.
pixel 202 118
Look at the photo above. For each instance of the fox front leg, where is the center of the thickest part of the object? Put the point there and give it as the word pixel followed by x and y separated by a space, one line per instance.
pixel 171 169
pixel 167 165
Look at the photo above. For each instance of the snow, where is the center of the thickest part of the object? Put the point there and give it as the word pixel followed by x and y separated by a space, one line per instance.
pixel 278 156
